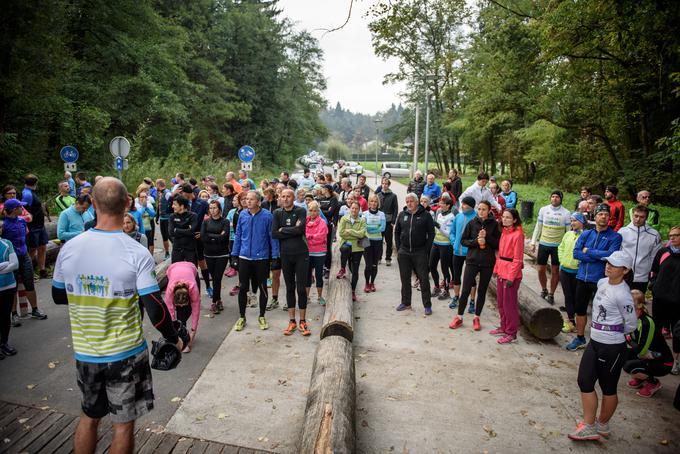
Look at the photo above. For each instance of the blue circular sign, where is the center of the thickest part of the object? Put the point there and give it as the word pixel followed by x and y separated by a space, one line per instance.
pixel 69 154
pixel 246 153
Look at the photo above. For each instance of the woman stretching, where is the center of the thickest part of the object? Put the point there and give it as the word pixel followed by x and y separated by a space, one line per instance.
pixel 375 226
pixel 316 233
pixel 183 296
pixel 215 237
pixel 351 229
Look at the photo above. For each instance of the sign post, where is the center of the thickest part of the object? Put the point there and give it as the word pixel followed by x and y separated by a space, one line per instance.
pixel 120 149
pixel 246 154
pixel 69 154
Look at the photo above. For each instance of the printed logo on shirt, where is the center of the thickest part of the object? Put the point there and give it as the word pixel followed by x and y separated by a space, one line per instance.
pixel 405 218
pixel 601 314
pixel 93 285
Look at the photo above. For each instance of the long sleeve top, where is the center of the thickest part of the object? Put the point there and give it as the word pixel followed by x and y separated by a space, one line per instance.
pixel 187 273
pixel 8 263
pixel 510 260
pixel 71 223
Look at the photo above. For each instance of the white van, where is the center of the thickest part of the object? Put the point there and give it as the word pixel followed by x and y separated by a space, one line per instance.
pixel 395 169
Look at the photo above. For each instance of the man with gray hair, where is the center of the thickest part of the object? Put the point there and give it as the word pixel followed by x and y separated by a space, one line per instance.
pixel 644 198
pixel 413 235
pixel 71 184
pixel 416 185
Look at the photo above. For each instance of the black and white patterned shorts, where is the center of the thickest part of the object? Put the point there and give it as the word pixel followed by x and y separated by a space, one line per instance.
pixel 122 389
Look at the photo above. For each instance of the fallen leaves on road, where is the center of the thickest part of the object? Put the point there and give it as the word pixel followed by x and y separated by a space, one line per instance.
pixel 176 399
pixel 489 430
pixel 22 420
pixel 221 415
pixel 52 364
pixel 31 386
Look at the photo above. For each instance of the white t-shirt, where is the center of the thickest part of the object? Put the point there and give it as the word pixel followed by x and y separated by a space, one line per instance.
pixel 612 305
pixel 104 274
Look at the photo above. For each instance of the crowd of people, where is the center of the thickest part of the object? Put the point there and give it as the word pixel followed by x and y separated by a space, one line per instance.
pixel 462 239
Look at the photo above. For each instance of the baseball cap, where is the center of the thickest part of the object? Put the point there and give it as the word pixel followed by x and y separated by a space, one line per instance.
pixel 11 204
pixel 619 258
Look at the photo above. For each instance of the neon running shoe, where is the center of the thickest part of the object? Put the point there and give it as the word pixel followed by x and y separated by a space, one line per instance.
pixel 240 324
pixel 497 332
pixel 602 428
pixel 476 325
pixel 273 304
pixel 304 329
pixel 568 327
pixel 584 432
pixel 507 339
pixel 263 323
pixel 576 344
pixel 234 290
pixel 292 326
pixel 649 389
pixel 322 301
pixel 341 273
pixel 454 302
pixel 457 322
pixel 635 383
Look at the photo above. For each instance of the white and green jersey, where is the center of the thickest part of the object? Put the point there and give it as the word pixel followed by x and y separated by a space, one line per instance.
pixel 104 274
pixel 551 225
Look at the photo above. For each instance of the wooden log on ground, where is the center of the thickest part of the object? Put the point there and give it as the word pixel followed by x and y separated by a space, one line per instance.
pixel 338 318
pixel 51 228
pixel 52 251
pixel 162 273
pixel 329 424
pixel 542 321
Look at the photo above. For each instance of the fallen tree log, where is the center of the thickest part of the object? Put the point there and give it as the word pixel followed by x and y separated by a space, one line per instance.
pixel 51 229
pixel 329 423
pixel 338 319
pixel 52 251
pixel 162 273
pixel 542 321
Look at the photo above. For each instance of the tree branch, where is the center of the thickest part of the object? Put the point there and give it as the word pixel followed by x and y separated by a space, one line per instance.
pixel 349 15
pixel 511 10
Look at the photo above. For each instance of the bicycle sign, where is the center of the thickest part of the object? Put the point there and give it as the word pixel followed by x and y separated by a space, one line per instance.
pixel 246 153
pixel 69 154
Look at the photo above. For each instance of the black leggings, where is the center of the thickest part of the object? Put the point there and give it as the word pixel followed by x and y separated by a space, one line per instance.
pixel 568 281
pixel 6 300
pixel 216 267
pixel 585 291
pixel 294 268
pixel 388 236
pixel 255 271
pixel 165 224
pixel 458 262
pixel 183 255
pixel 316 264
pixel 601 363
pixel 471 272
pixel 150 233
pixel 372 256
pixel 355 261
pixel 441 253
pixel 328 259
pixel 183 313
pixel 650 367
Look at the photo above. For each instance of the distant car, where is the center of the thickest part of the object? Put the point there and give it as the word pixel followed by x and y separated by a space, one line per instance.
pixel 316 168
pixel 395 169
pixel 348 168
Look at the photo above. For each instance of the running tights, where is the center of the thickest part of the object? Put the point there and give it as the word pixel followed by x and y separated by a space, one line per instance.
pixel 568 281
pixel 216 267
pixel 354 258
pixel 6 300
pixel 372 256
pixel 469 277
pixel 255 271
pixel 443 254
pixel 295 268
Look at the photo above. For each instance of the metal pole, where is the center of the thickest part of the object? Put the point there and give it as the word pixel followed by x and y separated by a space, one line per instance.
pixel 415 146
pixel 427 132
pixel 377 143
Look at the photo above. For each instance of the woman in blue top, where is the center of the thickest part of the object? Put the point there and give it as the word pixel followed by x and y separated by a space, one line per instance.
pixel 8 288
pixel 375 226
pixel 135 213
pixel 466 214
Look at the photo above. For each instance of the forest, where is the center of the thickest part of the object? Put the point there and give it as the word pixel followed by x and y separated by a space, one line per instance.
pixel 185 80
pixel 561 92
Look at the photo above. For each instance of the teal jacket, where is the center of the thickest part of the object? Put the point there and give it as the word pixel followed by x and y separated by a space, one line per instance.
pixel 71 223
pixel 456 233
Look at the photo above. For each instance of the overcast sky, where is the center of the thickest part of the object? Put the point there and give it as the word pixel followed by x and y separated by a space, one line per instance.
pixel 354 74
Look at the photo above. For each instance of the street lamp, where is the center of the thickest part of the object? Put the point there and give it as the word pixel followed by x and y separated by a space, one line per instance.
pixel 377 122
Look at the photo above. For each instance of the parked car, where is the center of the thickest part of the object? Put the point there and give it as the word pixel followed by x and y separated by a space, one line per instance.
pixel 348 169
pixel 395 169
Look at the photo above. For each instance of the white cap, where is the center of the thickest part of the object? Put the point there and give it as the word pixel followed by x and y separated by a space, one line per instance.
pixel 619 258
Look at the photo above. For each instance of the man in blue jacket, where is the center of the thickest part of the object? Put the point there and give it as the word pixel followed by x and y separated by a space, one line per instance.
pixel 466 214
pixel 591 247
pixel 252 245
pixel 72 220
pixel 432 189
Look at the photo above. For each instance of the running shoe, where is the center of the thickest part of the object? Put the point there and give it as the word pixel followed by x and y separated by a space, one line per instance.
pixel 649 389
pixel 234 290
pixel 576 344
pixel 273 304
pixel 252 301
pixel 428 311
pixel 341 273
pixel 451 285
pixel 388 262
pixel 213 309
pixel 231 272
pixel 454 302
pixel 292 326
pixel 263 323
pixel 471 307
pixel 507 339
pixel 354 296
pixel 444 295
pixel 550 299
pixel 220 305
pixel 435 291
pixel 403 307
pixel 16 321
pixel 497 332
pixel 457 322
pixel 284 307
pixel 584 432
pixel 636 383
pixel 326 274
pixel 209 291
pixel 367 288
pixel 304 329
pixel 676 367
pixel 544 293
pixel 602 428
pixel 476 325
pixel 322 301
pixel 7 350
pixel 568 327
pixel 373 289
pixel 269 283
pixel 38 314
pixel 240 324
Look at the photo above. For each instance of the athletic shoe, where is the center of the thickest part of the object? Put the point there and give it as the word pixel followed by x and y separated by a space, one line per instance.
pixel 354 296
pixel 550 299
pixel 269 283
pixel 584 432
pixel 403 307
pixel 240 324
pixel 471 307
pixel 7 350
pixel 263 323
pixel 451 285
pixel 444 295
pixel 213 309
pixel 649 389
pixel 252 301
pixel 476 325
pixel 367 288
pixel 220 305
pixel 676 367
pixel 507 339
pixel 292 326
pixel 38 314
pixel 209 291
pixel 284 307
pixel 454 302
pixel 322 301
pixel 544 293
pixel 568 327
pixel 273 304
pixel 636 383
pixel 304 329
pixel 497 332
pixel 231 272
pixel 602 428
pixel 457 322
pixel 341 273
pixel 16 322
pixel 576 344
pixel 435 291
pixel 373 289
pixel 234 290
pixel 388 262
pixel 428 311
pixel 326 274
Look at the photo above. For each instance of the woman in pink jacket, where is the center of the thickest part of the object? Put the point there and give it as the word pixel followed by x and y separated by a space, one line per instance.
pixel 509 264
pixel 183 296
pixel 317 233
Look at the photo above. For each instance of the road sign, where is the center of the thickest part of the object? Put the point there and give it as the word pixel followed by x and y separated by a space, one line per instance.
pixel 118 163
pixel 119 147
pixel 246 166
pixel 69 154
pixel 70 167
pixel 246 153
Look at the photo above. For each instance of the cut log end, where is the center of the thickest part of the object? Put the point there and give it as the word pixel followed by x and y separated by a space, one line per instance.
pixel 338 328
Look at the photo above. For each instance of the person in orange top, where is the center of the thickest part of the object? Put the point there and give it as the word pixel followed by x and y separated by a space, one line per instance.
pixel 229 177
pixel 618 213
pixel 509 264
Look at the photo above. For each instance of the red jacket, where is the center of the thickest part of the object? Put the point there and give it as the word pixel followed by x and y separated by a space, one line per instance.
pixel 510 260
pixel 616 214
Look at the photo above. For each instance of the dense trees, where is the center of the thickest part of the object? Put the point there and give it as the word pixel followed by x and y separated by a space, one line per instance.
pixel 558 91
pixel 192 77
pixel 354 129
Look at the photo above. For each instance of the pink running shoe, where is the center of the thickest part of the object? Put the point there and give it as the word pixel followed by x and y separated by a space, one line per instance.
pixel 231 272
pixel 234 290
pixel 649 389
pixel 507 339
pixel 497 332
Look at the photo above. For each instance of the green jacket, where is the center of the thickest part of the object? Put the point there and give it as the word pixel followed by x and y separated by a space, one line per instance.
pixel 565 251
pixel 352 233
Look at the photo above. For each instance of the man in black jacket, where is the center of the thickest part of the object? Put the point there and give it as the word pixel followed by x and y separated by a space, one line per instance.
pixel 183 224
pixel 390 206
pixel 414 234
pixel 416 185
